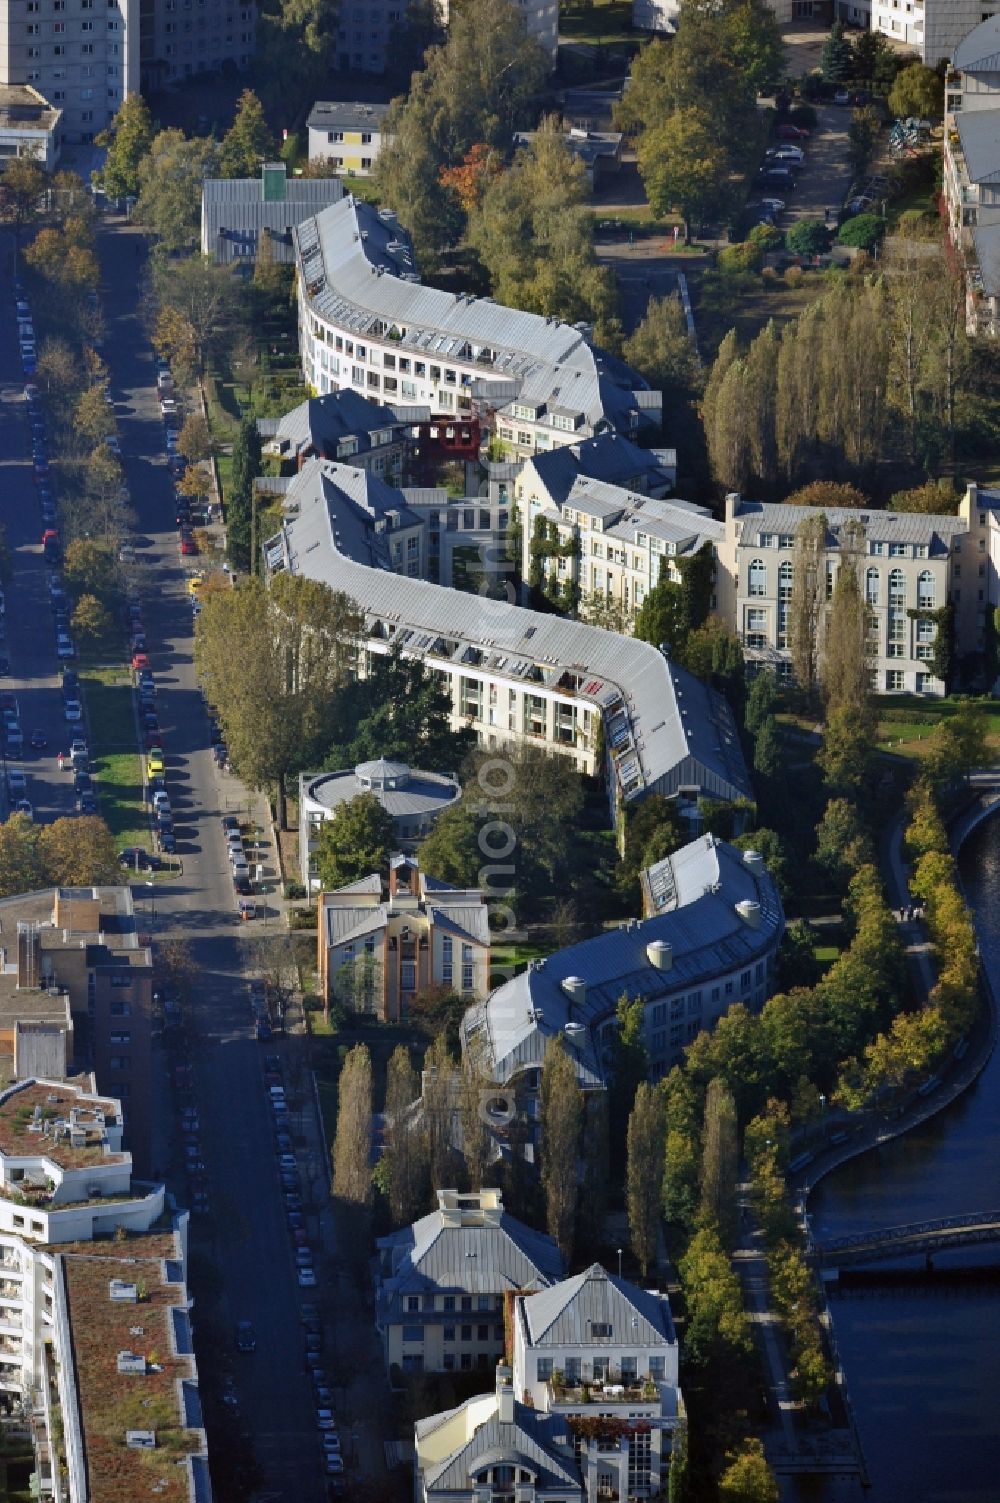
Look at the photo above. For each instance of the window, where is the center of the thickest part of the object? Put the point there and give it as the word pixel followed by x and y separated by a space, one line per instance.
pixel 466 968
pixel 925 590
pixel 120 1009
pixel 872 582
pixel 484 1302
pixel 412 1302
pixel 466 1302
pixel 120 1062
pixel 413 1333
pixel 894 680
pixel 543 1369
pixel 897 587
pixel 600 1330
pixel 449 1333
pixel 657 1368
pixel 757 578
pixel 785 576
pixel 482 1333
pixel 466 1333
pixel 121 978
pixel 897 550
pixel 121 1038
pixel 449 1302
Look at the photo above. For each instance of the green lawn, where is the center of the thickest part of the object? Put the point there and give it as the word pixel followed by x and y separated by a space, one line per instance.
pixel 908 730
pixel 117 766
pixel 514 958
pixel 600 23
pixel 362 187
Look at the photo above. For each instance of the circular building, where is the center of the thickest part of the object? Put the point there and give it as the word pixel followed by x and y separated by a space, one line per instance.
pixel 413 797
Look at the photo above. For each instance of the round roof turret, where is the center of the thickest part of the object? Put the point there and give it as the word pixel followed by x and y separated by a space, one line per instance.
pixel 382 774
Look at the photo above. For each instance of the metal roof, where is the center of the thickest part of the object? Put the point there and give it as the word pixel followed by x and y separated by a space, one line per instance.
pixel 699 920
pixel 979 51
pixel 566 1313
pixel 979 133
pixel 359 272
pixel 234 212
pixel 610 457
pixel 335 114
pixel 487 1257
pixel 323 422
pixel 987 242
pixel 665 729
pixel 538 1441
pixel 423 793
pixel 756 517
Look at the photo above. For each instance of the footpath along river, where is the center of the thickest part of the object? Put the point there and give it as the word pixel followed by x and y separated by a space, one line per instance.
pixel 922 1358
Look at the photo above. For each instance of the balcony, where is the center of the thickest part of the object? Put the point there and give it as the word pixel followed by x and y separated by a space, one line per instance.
pixel 605 1392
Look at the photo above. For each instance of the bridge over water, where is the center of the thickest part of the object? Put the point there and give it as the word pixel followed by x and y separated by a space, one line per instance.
pixel 919 1237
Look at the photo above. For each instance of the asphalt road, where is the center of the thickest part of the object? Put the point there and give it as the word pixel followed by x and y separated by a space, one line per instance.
pixel 245 1234
pixel 30 631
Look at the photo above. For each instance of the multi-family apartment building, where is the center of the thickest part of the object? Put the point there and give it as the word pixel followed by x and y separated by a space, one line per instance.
pixel 81 950
pixel 613 705
pixel 971 174
pixel 614 544
pixel 82 56
pixel 441 1283
pixel 366 322
pixel 596 1340
pixel 93 1304
pixel 367 30
pixel 589 1411
pixel 412 797
pixel 348 135
pixel 911 567
pixel 29 125
pixel 710 939
pixel 238 214
pixel 344 426
pixel 182 38
pixel 378 949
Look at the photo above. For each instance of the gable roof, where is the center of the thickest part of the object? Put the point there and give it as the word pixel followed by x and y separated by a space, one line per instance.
pixel 609 456
pixel 443 1254
pixel 566 1313
pixel 755 517
pixel 323 423
pixel 529 1439
pixel 234 212
pixel 979 133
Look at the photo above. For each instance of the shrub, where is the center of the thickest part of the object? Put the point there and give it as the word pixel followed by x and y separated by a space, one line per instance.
pixel 810 237
pixel 767 236
pixel 794 276
pixel 745 256
pixel 772 275
pixel 864 231
pixel 804 115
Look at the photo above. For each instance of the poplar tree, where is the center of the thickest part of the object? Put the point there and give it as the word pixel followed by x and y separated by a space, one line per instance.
pixel 644 1174
pixel 845 660
pixel 719 1160
pixel 562 1120
pixel 439 1070
pixel 808 598
pixel 405 1155
pixel 352 1180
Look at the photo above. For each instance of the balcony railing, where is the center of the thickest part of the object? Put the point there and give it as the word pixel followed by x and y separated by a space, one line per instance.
pixel 603 1391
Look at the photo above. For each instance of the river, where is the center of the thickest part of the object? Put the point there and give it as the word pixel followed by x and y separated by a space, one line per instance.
pixel 922 1360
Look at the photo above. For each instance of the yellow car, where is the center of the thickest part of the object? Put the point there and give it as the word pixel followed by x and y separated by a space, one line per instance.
pixel 195 583
pixel 154 764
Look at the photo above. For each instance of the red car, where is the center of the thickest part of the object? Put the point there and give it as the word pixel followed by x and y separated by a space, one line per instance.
pixel 50 538
pixel 789 132
pixel 139 660
pixel 188 547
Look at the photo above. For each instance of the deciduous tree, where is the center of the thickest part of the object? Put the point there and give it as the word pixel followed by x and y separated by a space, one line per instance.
pixel 808 597
pixel 561 1121
pixel 352 1180
pixel 405 1152
pixel 91 621
pixel 644 1174
pixel 748 1477
pixel 127 141
pixel 355 842
pixel 170 184
pixel 78 852
pixel 918 90
pixel 248 142
pixel 21 866
pixel 684 167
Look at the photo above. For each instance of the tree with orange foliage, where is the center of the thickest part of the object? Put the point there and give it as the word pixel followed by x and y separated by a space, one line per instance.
pixel 470 179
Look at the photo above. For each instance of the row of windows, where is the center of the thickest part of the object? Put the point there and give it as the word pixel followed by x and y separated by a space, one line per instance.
pixel 926 584
pixel 877 549
pixel 414 1334
pixel 464 1303
pixel 572 1367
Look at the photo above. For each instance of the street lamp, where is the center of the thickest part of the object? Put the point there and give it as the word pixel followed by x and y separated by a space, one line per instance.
pixel 619 1262
pixel 151 888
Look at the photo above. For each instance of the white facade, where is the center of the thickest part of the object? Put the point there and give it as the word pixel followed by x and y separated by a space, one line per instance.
pixel 366 323
pixel 81 55
pixel 971 175
pixel 348 135
pixel 29 126
pixel 931 28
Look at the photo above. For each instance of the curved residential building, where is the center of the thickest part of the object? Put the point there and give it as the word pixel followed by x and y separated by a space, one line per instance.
pixel 715 929
pixel 413 798
pixel 366 323
pixel 610 703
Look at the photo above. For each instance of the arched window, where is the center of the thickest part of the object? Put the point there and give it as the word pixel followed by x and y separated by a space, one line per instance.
pixel 925 590
pixel 872 586
pixel 785 577
pixel 758 577
pixel 897 587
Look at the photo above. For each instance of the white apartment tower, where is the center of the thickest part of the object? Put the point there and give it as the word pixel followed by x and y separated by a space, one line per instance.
pixel 81 55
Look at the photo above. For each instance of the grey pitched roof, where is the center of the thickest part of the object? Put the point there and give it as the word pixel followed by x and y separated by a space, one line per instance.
pixel 565 1314
pixel 360 273
pixel 979 51
pixel 665 729
pixel 234 212
pixel 610 457
pixel 530 1439
pixel 987 242
pixel 755 517
pixel 698 919
pixel 323 423
pixel 979 133
pixel 336 114
pixel 435 1254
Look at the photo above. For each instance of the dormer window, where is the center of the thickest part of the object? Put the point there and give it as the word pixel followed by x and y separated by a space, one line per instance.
pixel 600 1329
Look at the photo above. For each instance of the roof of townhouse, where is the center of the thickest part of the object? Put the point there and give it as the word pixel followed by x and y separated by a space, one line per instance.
pixel 565 1314
pixel 348 913
pixel 339 114
pixel 360 272
pixel 979 133
pixel 469 1245
pixel 134 1371
pixel 35 1118
pixel 666 729
pixel 322 423
pixel 531 1438
pixel 409 793
pixel 684 529
pixel 610 457
pixel 756 517
pixel 979 49
pixel 702 932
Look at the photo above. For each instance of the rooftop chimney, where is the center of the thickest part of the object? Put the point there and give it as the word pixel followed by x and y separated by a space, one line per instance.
pixel 505 1395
